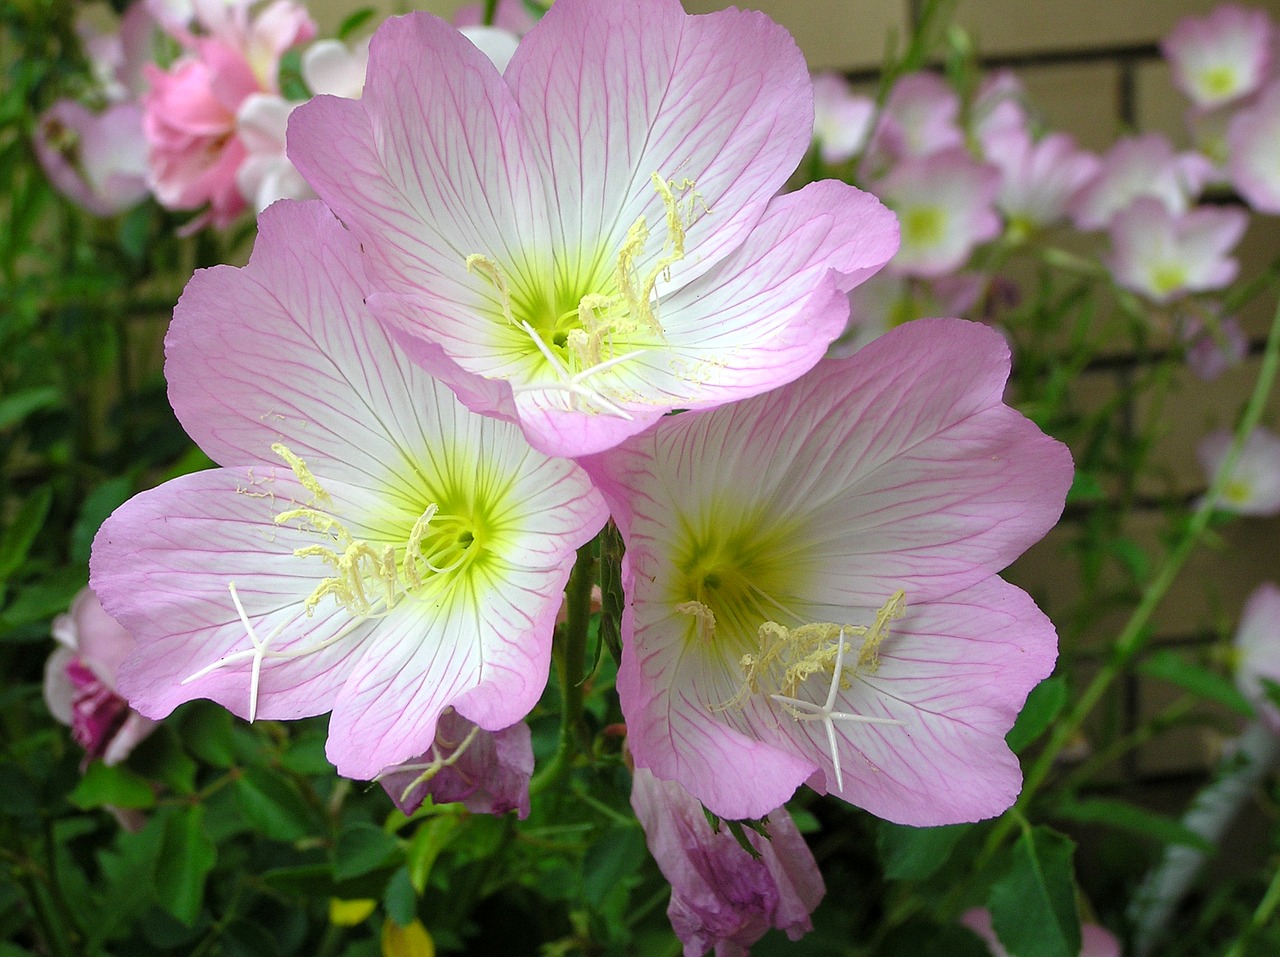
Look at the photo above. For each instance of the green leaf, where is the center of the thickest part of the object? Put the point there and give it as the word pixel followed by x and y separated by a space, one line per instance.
pixel 1033 906
pixel 432 836
pixel 362 848
pixel 1129 817
pixel 209 733
pixel 1044 704
pixel 117 786
pixel 617 854
pixel 274 805
pixel 186 858
pixel 400 901
pixel 98 504
pixel 14 408
pixel 21 533
pixel 44 599
pixel 913 853
pixel 1172 667
pixel 350 26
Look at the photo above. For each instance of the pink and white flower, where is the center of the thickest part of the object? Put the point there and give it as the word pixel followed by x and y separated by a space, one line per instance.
pixel 721 896
pixel 97 160
pixel 1253 145
pixel 1254 485
pixel 1222 57
pixel 920 117
pixel 945 207
pixel 487 771
pixel 582 247
pixel 1140 166
pixel 1038 178
pixel 370 547
pixel 1095 940
pixel 1258 650
pixel 80 682
pixel 1213 346
pixel 1164 255
pixel 999 108
pixel 841 118
pixel 812 588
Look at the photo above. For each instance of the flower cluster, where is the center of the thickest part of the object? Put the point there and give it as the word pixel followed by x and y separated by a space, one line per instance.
pixel 433 384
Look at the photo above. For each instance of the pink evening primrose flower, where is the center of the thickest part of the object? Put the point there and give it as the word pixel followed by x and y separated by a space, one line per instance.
pixel 721 896
pixel 812 588
pixel 96 160
pixel 1253 150
pixel 1164 255
pixel 1038 178
pixel 1095 940
pixel 945 206
pixel 1213 347
pixel 370 547
pixel 488 771
pixel 118 57
pixel 1258 650
pixel 920 117
pixel 593 237
pixel 886 300
pixel 1221 57
pixel 1140 166
pixel 999 108
pixel 191 109
pixel 841 118
pixel 1254 486
pixel 80 682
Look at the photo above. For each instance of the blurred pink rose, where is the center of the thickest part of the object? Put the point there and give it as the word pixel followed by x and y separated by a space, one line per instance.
pixel 80 682
pixel 191 108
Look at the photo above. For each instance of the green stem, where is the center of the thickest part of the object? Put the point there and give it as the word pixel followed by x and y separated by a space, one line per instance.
pixel 570 653
pixel 1270 901
pixel 490 11
pixel 1134 634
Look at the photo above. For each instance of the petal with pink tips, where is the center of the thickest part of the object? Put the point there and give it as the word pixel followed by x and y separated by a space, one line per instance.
pixel 613 93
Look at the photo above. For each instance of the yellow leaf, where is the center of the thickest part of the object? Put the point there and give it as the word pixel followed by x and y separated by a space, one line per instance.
pixel 349 913
pixel 411 941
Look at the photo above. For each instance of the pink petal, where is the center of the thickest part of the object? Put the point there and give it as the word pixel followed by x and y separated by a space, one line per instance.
pixel 614 92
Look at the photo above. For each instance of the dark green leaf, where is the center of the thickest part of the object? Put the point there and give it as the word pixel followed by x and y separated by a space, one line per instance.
pixel 22 531
pixel 274 805
pixel 14 408
pixel 920 939
pixel 117 786
pixel 618 853
pixel 362 848
pixel 400 901
pixel 1033 906
pixel 1172 667
pixel 98 504
pixel 44 599
pixel 186 858
pixel 209 733
pixel 1129 817
pixel 913 853
pixel 1044 704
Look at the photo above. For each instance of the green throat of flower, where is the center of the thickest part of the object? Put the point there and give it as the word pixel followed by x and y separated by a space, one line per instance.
pixel 568 322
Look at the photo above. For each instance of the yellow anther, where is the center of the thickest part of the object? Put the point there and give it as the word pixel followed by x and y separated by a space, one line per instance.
pixel 490 270
pixel 303 474
pixel 704 618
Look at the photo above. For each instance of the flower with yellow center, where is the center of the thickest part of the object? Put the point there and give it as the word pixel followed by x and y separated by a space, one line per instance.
pixel 370 548
pixel 593 237
pixel 811 583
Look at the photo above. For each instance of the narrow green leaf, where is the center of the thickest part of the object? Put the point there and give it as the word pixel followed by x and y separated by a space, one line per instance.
pixel 117 786
pixel 186 858
pixel 913 853
pixel 400 901
pixel 1129 817
pixel 14 408
pixel 353 23
pixel 21 533
pixel 1044 704
pixel 618 853
pixel 1172 667
pixel 432 836
pixel 1033 906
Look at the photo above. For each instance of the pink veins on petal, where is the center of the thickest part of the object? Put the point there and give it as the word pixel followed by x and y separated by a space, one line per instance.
pixel 592 237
